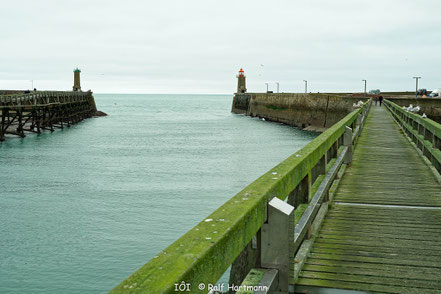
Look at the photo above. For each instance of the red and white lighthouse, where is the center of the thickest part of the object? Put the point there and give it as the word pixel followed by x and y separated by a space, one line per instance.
pixel 241 84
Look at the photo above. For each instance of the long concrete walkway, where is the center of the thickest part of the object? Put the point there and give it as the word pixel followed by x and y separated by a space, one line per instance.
pixel 383 232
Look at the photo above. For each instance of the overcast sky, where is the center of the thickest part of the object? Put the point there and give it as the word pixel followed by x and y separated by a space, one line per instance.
pixel 197 46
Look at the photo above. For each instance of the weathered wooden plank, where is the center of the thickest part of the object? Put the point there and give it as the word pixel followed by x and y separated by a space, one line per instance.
pixel 398 273
pixel 379 237
pixel 417 233
pixel 377 279
pixel 424 200
pixel 399 191
pixel 363 286
pixel 394 212
pixel 374 266
pixel 371 182
pixel 403 255
pixel 361 223
pixel 423 197
pixel 388 242
pixel 382 210
pixel 384 219
pixel 368 242
pixel 379 260
pixel 370 248
pixel 429 214
pixel 397 235
pixel 387 202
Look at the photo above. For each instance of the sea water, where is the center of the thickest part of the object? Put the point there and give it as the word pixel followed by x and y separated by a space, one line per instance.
pixel 84 207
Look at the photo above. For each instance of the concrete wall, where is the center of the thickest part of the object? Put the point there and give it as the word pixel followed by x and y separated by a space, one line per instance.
pixel 309 111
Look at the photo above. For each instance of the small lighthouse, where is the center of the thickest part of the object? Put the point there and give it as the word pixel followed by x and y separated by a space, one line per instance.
pixel 76 86
pixel 241 84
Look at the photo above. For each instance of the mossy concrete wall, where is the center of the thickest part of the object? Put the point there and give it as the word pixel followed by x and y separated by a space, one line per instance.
pixel 308 111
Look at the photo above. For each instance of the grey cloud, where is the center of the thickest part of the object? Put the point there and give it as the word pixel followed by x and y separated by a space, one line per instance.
pixel 198 46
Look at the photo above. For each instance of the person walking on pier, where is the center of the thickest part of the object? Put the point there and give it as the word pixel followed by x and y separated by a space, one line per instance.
pixel 380 99
pixel 375 100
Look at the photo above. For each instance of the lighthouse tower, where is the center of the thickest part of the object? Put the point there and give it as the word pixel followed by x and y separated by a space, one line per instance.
pixel 241 84
pixel 76 86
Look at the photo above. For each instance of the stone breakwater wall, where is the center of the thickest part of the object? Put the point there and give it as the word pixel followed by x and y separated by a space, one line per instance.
pixel 315 112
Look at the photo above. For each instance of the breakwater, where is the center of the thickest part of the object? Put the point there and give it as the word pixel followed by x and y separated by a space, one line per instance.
pixel 37 111
pixel 319 111
pixel 308 111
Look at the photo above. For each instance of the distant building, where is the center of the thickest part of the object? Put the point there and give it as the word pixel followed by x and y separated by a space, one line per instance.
pixel 76 86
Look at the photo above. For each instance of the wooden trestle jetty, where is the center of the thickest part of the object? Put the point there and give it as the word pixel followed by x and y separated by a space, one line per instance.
pixel 43 110
pixel 357 210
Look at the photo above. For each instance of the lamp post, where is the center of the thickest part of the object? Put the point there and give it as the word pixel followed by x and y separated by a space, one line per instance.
pixel 365 82
pixel 416 87
pixel 277 83
pixel 306 86
pixel 266 87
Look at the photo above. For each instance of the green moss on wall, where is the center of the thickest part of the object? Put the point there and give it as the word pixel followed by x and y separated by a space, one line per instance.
pixel 275 107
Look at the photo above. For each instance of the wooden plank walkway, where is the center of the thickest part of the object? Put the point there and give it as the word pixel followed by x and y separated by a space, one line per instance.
pixel 383 232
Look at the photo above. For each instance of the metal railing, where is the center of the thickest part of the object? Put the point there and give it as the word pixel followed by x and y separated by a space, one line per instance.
pixel 260 217
pixel 424 132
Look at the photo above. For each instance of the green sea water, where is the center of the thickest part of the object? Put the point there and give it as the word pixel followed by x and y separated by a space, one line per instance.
pixel 84 207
